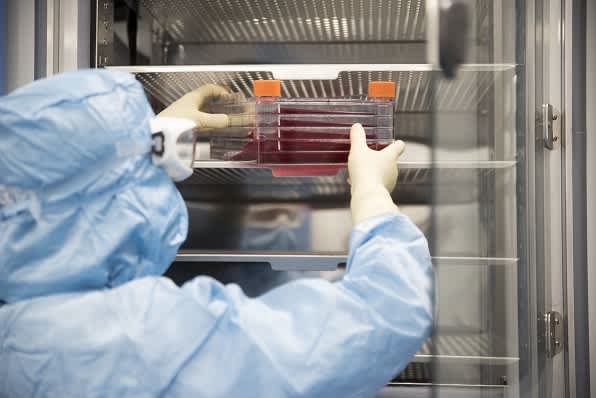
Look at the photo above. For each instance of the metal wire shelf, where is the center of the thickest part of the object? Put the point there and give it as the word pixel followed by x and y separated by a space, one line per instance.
pixel 214 172
pixel 414 82
pixel 333 259
pixel 221 182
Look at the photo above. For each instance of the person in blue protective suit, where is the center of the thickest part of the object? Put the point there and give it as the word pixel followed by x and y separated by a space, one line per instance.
pixel 88 224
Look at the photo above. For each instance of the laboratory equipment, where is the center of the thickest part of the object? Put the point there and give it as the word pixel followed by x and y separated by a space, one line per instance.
pixel 287 135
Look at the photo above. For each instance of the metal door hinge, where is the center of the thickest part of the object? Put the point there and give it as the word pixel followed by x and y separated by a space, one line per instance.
pixel 553 329
pixel 548 121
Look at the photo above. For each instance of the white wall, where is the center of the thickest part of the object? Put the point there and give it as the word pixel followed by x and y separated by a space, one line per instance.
pixel 20 48
pixel 591 182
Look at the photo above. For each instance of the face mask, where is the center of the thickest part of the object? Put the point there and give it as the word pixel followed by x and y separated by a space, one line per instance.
pixel 277 228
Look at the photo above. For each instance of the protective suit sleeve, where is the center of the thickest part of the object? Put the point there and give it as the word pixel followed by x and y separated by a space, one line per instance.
pixel 312 338
pixel 308 338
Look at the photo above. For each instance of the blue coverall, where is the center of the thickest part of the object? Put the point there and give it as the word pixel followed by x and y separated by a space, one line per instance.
pixel 87 227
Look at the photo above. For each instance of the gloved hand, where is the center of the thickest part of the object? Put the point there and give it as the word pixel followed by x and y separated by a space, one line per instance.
pixel 373 175
pixel 189 107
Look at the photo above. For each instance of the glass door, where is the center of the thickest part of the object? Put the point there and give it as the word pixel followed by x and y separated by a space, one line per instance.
pixel 477 178
pixel 494 193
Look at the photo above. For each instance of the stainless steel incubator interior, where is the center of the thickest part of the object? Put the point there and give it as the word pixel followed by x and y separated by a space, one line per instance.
pixel 464 178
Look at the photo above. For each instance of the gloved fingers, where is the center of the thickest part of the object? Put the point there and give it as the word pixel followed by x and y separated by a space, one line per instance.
pixel 394 150
pixel 201 94
pixel 212 90
pixel 357 138
pixel 195 99
pixel 210 120
pixel 189 107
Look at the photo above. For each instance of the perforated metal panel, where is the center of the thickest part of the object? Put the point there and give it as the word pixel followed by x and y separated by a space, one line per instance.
pixel 475 348
pixel 409 174
pixel 298 53
pixel 415 372
pixel 458 345
pixel 289 20
pixel 259 183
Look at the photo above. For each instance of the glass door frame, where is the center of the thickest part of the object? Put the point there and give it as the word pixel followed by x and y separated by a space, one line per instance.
pixel 541 264
pixel 540 189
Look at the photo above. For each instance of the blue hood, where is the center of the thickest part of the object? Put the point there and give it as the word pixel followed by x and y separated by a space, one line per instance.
pixel 82 206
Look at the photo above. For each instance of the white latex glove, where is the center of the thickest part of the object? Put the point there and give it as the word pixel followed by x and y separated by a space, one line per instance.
pixel 373 175
pixel 189 105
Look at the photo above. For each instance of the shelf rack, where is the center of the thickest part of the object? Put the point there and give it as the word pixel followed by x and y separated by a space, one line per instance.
pixel 418 94
pixel 414 81
pixel 323 261
pixel 245 182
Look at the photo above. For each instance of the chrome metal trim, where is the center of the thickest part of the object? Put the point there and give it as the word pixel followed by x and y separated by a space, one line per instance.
pixel 63 38
pixel 46 36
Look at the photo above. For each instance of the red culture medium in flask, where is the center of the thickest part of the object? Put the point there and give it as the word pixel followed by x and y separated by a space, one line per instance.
pixel 302 137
